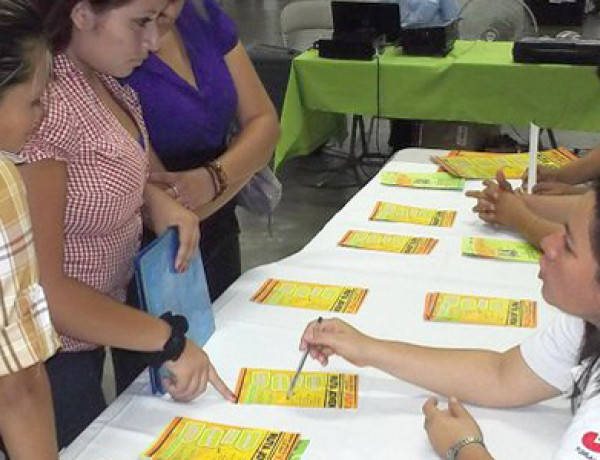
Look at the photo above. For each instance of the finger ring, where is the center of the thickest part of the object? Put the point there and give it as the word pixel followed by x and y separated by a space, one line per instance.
pixel 175 191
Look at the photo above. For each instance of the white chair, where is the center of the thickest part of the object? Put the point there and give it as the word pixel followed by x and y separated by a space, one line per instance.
pixel 304 22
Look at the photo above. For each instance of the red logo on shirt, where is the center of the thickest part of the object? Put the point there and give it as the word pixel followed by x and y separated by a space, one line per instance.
pixel 591 441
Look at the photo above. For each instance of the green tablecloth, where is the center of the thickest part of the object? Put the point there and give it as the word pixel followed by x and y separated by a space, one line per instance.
pixel 476 82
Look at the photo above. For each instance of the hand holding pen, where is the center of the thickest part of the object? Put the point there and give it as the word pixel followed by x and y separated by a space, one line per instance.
pixel 322 339
pixel 290 391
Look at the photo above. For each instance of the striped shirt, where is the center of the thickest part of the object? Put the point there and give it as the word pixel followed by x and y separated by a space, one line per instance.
pixel 26 334
pixel 107 170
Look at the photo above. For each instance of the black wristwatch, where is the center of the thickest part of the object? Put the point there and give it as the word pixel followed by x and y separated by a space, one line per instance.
pixel 175 344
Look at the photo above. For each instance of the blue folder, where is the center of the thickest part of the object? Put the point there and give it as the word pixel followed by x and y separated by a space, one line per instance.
pixel 161 289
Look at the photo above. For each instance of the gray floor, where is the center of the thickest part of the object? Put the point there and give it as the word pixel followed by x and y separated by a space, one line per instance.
pixel 304 209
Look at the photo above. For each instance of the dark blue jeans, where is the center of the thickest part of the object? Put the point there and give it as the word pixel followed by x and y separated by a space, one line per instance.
pixel 76 383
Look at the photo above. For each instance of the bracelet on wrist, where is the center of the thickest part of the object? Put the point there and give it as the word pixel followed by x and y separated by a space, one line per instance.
pixel 452 453
pixel 215 183
pixel 219 177
pixel 175 344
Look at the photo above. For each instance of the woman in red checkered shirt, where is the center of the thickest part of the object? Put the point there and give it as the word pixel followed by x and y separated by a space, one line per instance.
pixel 87 181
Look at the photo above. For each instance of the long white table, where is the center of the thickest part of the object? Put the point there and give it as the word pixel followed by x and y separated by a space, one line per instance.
pixel 388 423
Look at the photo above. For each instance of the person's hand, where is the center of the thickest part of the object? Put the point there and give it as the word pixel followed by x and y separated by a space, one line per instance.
pixel 558 188
pixel 497 203
pixel 191 374
pixel 335 337
pixel 164 212
pixel 446 427
pixel 192 188
pixel 543 174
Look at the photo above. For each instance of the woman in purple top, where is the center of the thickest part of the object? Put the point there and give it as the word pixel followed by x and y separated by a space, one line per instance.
pixel 192 90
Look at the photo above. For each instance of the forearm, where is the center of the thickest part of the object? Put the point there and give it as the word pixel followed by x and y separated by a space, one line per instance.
pixel 155 199
pixel 533 227
pixel 211 207
pixel 86 314
pixel 472 376
pixel 553 208
pixel 252 148
pixel 585 169
pixel 26 415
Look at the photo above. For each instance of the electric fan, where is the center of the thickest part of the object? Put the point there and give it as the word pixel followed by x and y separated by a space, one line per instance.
pixel 496 20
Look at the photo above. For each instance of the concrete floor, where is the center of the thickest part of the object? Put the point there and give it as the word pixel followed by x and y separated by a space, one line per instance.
pixel 303 210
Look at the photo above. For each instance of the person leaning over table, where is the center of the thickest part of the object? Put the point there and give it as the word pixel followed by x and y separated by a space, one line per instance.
pixel 192 90
pixel 563 358
pixel 86 179
pixel 27 337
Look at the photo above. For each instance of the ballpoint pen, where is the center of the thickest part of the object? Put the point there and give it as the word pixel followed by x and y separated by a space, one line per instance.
pixel 290 391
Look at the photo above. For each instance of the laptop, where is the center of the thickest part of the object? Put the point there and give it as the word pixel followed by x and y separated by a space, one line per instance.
pixel 365 21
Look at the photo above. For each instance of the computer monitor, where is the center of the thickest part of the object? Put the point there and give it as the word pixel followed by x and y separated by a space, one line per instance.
pixel 365 20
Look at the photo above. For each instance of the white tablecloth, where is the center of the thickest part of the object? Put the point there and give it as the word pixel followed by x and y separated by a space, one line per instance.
pixel 388 423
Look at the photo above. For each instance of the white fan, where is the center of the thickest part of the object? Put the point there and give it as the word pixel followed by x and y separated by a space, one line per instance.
pixel 496 20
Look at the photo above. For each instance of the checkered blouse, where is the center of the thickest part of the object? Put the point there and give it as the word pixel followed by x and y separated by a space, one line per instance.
pixel 107 170
pixel 26 334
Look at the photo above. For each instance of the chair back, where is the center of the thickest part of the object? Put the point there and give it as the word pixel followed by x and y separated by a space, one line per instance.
pixel 304 22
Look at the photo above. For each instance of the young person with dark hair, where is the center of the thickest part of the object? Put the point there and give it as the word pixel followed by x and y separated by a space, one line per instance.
pixel 86 178
pixel 27 338
pixel 192 90
pixel 563 358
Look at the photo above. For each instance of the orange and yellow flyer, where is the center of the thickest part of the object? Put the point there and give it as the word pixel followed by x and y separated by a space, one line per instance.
pixel 326 297
pixel 188 439
pixel 388 242
pixel 494 311
pixel 483 165
pixel 394 212
pixel 313 389
pixel 436 180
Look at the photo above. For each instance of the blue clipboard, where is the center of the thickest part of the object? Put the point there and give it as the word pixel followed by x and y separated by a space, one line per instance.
pixel 161 289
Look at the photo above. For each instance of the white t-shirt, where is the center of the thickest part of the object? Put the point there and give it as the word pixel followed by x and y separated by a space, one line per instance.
pixel 553 354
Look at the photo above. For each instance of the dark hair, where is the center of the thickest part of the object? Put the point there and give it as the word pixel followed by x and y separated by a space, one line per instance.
pixel 589 353
pixel 21 30
pixel 57 18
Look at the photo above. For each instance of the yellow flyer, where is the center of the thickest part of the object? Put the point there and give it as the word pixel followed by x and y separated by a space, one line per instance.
pixel 481 165
pixel 422 216
pixel 458 308
pixel 517 251
pixel 327 297
pixel 188 439
pixel 388 242
pixel 557 157
pixel 438 180
pixel 313 389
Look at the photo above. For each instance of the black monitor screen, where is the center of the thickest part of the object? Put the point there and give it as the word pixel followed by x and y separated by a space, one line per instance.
pixel 366 20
